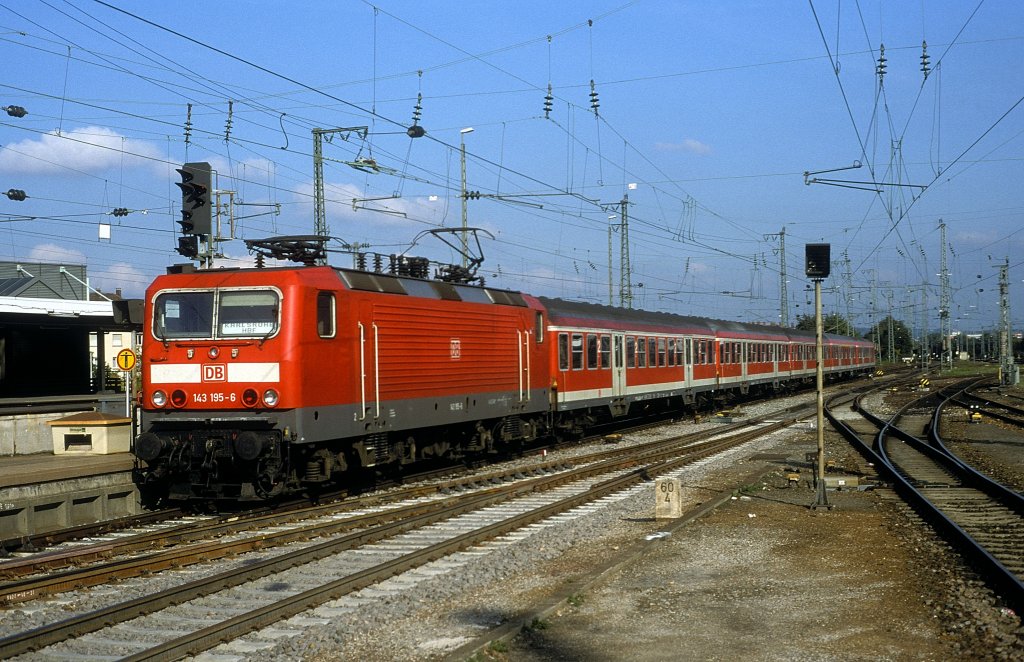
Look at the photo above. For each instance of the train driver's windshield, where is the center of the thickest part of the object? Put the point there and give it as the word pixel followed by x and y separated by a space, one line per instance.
pixel 196 314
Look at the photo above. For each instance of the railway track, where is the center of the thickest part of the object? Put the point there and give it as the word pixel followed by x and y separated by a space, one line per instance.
pixel 981 518
pixel 170 537
pixel 992 405
pixel 276 586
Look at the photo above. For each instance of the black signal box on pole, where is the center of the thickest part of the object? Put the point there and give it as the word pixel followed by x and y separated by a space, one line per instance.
pixel 817 262
pixel 196 209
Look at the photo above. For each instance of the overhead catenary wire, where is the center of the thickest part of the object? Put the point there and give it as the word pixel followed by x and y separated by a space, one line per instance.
pixel 581 187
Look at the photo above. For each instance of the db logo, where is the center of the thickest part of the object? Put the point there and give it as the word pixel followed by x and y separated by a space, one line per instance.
pixel 456 348
pixel 214 372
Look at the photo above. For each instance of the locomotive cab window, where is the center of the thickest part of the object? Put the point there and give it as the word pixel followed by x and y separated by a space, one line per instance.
pixel 325 314
pixel 247 313
pixel 207 314
pixel 183 315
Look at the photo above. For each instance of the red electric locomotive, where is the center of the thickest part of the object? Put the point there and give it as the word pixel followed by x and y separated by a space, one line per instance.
pixel 259 382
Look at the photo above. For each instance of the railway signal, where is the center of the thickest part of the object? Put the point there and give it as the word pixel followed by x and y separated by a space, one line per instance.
pixel 196 210
pixel 188 246
pixel 817 268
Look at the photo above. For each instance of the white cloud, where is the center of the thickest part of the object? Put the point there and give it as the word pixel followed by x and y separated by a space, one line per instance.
pixel 86 149
pixel 121 276
pixel 53 253
pixel 348 203
pixel 687 145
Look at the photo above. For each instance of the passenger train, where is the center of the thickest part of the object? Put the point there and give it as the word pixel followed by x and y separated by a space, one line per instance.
pixel 259 382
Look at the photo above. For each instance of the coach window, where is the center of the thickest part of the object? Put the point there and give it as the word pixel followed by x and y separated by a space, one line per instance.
pixel 577 351
pixel 652 352
pixel 671 351
pixel 641 352
pixel 606 351
pixel 661 352
pixel 563 351
pixel 325 314
pixel 630 352
pixel 591 351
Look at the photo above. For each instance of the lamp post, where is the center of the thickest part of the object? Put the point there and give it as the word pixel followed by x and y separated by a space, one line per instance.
pixel 817 269
pixel 465 224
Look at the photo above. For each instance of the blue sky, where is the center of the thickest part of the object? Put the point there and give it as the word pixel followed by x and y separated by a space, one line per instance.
pixel 709 115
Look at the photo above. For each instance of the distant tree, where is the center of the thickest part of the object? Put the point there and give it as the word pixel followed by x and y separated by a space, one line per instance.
pixel 902 340
pixel 831 323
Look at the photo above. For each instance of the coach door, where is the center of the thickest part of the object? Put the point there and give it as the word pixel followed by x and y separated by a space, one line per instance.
pixel 688 360
pixel 618 366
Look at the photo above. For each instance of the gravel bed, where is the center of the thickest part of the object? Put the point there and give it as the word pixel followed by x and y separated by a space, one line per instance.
pixel 775 581
pixel 435 616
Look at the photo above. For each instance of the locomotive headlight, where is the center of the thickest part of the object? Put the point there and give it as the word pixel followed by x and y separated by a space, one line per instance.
pixel 270 397
pixel 214 352
pixel 159 398
pixel 250 398
pixel 178 398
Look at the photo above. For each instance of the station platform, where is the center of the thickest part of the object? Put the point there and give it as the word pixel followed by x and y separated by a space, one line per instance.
pixel 46 492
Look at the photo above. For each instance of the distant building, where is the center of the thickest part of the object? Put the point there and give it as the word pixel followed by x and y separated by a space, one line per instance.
pixel 54 340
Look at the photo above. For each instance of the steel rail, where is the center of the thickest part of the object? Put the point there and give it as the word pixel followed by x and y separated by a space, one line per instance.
pixel 197 642
pixel 1000 578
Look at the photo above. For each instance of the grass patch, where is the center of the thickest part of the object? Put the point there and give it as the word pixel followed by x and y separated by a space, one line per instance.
pixel 749 488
